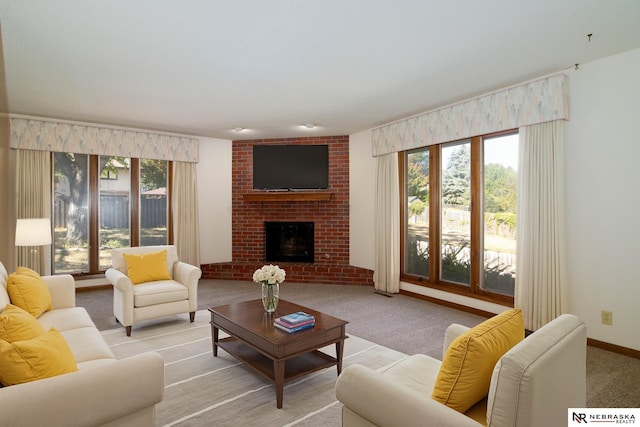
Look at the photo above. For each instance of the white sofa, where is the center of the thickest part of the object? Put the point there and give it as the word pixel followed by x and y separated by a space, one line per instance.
pixel 103 392
pixel 143 301
pixel 533 384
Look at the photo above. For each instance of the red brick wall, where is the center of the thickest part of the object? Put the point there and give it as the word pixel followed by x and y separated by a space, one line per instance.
pixel 331 220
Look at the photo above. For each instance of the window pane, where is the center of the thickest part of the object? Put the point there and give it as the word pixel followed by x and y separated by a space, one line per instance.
pixel 71 222
pixel 500 190
pixel 153 202
pixel 416 251
pixel 456 201
pixel 114 207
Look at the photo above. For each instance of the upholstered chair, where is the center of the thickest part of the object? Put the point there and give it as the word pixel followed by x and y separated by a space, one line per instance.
pixel 533 384
pixel 150 282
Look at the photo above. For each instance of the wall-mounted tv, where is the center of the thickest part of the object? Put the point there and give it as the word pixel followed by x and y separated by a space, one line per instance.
pixel 290 167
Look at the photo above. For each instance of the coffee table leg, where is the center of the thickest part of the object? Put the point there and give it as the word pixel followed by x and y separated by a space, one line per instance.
pixel 214 341
pixel 339 350
pixel 278 370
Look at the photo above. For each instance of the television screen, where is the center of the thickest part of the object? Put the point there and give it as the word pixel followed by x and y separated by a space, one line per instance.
pixel 290 167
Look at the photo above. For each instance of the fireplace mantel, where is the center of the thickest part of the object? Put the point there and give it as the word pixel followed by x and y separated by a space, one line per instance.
pixel 287 196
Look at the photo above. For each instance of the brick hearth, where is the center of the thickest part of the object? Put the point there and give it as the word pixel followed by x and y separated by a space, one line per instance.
pixel 331 218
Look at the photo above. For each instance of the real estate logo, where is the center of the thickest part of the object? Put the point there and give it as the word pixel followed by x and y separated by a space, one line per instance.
pixel 581 416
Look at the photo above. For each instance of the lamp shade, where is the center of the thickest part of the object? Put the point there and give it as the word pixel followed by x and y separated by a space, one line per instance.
pixel 33 232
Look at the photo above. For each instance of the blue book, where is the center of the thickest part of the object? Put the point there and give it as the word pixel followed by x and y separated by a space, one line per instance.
pixel 295 328
pixel 296 318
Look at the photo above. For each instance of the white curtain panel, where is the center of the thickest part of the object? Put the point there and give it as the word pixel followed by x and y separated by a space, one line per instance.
pixel 386 275
pixel 540 289
pixel 33 200
pixel 185 212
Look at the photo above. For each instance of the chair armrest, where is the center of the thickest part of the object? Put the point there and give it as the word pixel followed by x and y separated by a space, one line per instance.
pixel 453 331
pixel 62 289
pixel 186 274
pixel 89 397
pixel 386 403
pixel 119 280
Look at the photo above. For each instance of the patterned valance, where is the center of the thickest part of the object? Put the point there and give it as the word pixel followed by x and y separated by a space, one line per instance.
pixel 535 102
pixel 44 135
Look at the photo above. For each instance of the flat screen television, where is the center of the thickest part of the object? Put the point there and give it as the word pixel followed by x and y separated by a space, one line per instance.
pixel 290 167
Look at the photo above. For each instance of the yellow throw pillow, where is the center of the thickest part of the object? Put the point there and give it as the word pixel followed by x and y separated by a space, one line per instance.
pixel 147 267
pixel 28 291
pixel 18 325
pixel 46 356
pixel 465 374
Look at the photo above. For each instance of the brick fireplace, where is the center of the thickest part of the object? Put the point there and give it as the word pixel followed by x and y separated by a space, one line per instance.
pixel 329 214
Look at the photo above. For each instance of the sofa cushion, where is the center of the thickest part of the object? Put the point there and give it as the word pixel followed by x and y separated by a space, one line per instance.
pixel 64 319
pixel 28 291
pixel 465 374
pixel 147 267
pixel 87 344
pixel 42 357
pixel 18 325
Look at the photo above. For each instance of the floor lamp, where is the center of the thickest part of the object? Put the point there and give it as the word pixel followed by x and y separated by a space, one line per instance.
pixel 33 232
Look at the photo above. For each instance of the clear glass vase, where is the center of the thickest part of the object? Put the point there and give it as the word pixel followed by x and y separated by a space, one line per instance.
pixel 270 297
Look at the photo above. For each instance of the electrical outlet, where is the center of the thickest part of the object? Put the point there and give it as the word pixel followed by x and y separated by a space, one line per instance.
pixel 607 317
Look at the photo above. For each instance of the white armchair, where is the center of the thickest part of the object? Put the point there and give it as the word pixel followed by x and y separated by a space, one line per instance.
pixel 149 300
pixel 532 385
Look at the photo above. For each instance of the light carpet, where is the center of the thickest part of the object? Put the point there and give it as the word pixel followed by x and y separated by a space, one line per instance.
pixel 202 390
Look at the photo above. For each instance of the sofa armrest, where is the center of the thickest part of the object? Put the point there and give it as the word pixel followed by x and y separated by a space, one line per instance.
pixel 453 331
pixel 62 288
pixel 386 403
pixel 89 397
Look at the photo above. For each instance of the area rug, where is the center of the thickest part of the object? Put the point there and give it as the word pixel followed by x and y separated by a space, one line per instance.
pixel 202 390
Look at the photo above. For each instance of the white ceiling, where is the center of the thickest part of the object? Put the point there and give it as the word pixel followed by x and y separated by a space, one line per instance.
pixel 205 67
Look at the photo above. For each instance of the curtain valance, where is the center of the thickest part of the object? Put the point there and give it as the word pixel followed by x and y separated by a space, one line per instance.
pixel 534 102
pixel 44 135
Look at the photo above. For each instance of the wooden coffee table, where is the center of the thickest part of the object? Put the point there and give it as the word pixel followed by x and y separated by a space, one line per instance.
pixel 271 352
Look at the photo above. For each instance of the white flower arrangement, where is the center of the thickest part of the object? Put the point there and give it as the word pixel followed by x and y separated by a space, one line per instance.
pixel 269 275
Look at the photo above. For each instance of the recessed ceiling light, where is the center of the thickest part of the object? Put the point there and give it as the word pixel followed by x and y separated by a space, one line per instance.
pixel 309 125
pixel 238 129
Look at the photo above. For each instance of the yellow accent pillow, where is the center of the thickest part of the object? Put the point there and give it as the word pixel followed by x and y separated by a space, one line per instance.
pixel 28 291
pixel 43 357
pixel 147 267
pixel 18 325
pixel 465 374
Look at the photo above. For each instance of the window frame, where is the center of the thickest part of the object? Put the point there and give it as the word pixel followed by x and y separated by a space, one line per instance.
pixel 94 210
pixel 474 289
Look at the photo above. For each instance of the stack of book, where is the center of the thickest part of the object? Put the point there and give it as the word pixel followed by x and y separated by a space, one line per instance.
pixel 295 322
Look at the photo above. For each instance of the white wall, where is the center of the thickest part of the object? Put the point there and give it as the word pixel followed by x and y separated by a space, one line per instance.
pixel 602 151
pixel 362 168
pixel 214 200
pixel 603 200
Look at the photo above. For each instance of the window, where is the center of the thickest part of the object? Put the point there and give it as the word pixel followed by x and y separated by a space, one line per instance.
pixel 153 202
pixel 499 228
pixel 455 202
pixel 129 192
pixel 114 208
pixel 459 216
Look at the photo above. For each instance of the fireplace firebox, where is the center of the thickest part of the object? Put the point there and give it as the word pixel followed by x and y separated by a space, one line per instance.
pixel 289 241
